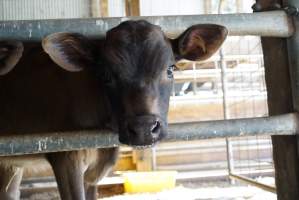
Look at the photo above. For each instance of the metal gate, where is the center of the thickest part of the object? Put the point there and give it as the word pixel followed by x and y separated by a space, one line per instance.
pixel 277 24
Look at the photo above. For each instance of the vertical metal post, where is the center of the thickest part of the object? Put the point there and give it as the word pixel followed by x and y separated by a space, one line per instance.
pixel 277 76
pixel 229 151
pixel 224 85
pixel 154 159
pixel 173 88
pixel 194 82
pixel 223 73
pixel 293 49
pixel 230 159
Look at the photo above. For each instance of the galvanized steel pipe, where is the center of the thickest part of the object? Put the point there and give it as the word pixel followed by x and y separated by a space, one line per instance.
pixel 272 24
pixel 73 140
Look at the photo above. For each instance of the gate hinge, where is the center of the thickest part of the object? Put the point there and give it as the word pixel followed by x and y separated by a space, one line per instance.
pixel 290 10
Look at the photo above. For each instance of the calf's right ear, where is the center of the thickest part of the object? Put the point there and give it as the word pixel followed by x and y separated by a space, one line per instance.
pixel 10 54
pixel 71 51
pixel 199 42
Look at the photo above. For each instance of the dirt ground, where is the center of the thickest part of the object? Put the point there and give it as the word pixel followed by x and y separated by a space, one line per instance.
pixel 190 191
pixel 211 193
pixel 207 190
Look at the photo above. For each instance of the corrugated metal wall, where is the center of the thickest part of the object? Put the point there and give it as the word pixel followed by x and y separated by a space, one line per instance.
pixel 43 9
pixel 171 7
pixel 117 8
pixel 55 9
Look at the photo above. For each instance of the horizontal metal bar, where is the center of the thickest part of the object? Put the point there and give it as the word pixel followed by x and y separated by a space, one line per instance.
pixel 253 182
pixel 273 23
pixel 74 140
pixel 276 125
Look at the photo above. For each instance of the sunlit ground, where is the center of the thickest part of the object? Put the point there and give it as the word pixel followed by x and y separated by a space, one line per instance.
pixel 211 193
pixel 220 190
pixel 182 193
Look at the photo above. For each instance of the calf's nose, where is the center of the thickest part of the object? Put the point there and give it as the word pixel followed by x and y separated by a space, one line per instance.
pixel 143 130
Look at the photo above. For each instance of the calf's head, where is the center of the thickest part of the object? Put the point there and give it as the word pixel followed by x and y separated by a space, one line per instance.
pixel 135 63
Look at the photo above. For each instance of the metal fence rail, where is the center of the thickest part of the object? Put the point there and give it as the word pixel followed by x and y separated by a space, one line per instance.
pixel 73 140
pixel 273 23
pixel 253 182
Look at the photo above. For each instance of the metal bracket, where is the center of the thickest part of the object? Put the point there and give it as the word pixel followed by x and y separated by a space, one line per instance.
pixel 290 10
pixel 261 6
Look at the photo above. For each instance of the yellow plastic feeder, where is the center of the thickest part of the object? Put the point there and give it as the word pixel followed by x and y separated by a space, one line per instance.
pixel 140 182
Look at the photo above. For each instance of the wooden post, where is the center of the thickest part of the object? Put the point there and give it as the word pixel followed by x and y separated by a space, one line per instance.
pixel 132 8
pixel 285 156
pixel 278 82
pixel 99 8
pixel 207 6
pixel 239 6
pixel 104 8
pixel 143 159
pixel 285 153
pixel 95 8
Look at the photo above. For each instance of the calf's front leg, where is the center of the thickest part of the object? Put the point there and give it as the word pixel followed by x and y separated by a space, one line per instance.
pixel 103 161
pixel 69 169
pixel 10 180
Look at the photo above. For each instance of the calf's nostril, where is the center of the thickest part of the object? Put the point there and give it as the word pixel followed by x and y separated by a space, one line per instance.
pixel 155 127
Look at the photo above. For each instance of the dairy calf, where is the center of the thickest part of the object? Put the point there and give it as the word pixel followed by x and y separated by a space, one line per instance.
pixel 122 82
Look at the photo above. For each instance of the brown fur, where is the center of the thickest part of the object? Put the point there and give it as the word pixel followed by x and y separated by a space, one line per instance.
pixel 38 96
pixel 27 110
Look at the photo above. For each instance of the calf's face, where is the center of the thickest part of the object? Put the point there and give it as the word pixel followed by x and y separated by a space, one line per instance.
pixel 135 63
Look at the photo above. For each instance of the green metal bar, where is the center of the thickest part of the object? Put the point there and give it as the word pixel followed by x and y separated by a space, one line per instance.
pixel 253 182
pixel 74 140
pixel 274 24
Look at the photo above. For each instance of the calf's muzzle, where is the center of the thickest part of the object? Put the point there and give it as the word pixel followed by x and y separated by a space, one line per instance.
pixel 143 130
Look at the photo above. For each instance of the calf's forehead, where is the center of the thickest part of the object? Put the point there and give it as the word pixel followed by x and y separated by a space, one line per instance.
pixel 141 28
pixel 137 50
pixel 134 34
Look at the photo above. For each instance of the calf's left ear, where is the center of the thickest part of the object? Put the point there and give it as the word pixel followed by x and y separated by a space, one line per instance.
pixel 10 54
pixel 199 42
pixel 71 51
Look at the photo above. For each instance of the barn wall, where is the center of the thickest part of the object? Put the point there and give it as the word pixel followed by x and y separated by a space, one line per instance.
pixel 116 8
pixel 41 9
pixel 54 9
pixel 171 7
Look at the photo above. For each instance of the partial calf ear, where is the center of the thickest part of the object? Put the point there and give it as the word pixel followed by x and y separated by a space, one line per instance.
pixel 10 54
pixel 71 51
pixel 199 42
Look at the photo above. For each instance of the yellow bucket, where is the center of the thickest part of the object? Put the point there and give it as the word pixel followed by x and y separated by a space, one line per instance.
pixel 138 182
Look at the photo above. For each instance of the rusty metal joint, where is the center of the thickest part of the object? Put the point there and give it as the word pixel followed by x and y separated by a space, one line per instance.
pixel 259 7
pixel 289 9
